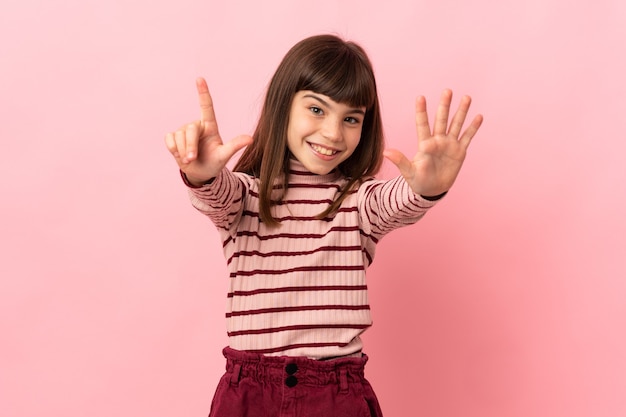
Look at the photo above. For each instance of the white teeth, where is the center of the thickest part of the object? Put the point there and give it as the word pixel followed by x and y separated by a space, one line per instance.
pixel 322 150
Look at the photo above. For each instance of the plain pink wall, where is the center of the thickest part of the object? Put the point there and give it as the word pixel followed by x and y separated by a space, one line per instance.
pixel 507 300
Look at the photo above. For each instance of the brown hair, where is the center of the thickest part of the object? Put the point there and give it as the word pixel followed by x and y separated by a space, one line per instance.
pixel 326 65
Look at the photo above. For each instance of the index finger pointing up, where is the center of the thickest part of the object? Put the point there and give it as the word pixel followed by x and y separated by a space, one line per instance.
pixel 207 114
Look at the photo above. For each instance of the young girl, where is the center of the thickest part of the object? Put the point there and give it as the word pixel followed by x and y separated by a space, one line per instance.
pixel 300 216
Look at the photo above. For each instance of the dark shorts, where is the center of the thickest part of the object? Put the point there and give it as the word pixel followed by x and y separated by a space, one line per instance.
pixel 266 386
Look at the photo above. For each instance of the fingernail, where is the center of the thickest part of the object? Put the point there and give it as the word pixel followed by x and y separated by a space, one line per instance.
pixel 190 155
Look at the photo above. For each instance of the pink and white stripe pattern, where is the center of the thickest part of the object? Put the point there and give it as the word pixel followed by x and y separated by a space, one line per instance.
pixel 300 289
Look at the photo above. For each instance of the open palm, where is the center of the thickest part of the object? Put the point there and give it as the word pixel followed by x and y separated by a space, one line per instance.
pixel 440 152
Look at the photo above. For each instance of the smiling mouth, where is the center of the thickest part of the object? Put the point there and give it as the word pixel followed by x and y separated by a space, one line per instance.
pixel 322 150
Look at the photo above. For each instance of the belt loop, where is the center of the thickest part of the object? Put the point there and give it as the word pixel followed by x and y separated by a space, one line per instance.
pixel 343 381
pixel 234 378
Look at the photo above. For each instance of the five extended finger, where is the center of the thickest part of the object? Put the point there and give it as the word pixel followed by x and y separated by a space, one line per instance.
pixel 399 160
pixel 443 111
pixel 469 133
pixel 421 119
pixel 459 117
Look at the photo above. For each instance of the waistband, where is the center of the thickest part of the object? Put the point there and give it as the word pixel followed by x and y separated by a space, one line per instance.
pixel 294 370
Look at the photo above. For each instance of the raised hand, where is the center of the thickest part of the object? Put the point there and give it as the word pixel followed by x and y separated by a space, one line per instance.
pixel 440 153
pixel 197 147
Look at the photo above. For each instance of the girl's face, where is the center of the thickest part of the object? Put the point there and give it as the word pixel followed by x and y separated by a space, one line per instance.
pixel 321 132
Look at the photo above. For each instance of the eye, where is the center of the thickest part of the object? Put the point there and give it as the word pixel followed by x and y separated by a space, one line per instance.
pixel 352 120
pixel 316 110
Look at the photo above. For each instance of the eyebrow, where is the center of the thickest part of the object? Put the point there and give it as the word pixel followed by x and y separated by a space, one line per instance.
pixel 325 103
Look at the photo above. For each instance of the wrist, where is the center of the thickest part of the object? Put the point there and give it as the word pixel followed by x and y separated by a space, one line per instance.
pixel 194 182
pixel 434 197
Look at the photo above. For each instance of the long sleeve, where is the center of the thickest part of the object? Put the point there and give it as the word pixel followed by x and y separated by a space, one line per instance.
pixel 387 205
pixel 222 200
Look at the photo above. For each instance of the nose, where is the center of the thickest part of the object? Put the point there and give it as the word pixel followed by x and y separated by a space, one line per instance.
pixel 331 129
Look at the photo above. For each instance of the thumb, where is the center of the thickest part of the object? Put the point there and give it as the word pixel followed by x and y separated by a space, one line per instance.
pixel 233 146
pixel 404 165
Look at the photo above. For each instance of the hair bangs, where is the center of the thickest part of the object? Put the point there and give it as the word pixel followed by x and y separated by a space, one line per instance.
pixel 343 75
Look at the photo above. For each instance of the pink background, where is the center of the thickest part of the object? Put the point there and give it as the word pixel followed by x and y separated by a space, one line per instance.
pixel 507 300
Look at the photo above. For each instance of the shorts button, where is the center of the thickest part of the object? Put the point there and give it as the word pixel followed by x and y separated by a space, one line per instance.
pixel 291 381
pixel 291 369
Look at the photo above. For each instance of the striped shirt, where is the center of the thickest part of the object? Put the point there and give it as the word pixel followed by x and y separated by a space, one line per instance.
pixel 299 289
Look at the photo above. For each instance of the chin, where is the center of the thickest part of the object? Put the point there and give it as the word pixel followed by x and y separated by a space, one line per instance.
pixel 319 170
pixel 318 166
